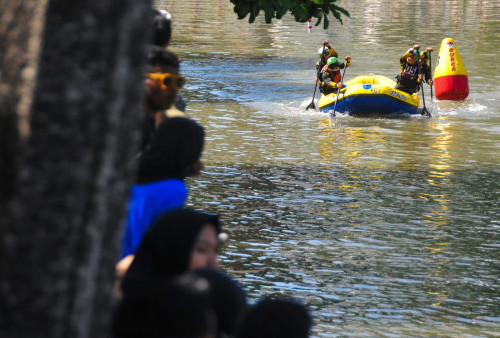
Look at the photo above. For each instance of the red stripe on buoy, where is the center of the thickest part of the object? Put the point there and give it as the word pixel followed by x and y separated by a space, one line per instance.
pixel 451 87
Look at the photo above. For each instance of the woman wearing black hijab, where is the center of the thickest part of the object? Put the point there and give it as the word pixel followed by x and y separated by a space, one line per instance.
pixel 181 240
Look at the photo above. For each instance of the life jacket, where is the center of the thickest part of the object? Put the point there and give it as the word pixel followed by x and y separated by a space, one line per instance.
pixel 328 78
pixel 337 77
pixel 320 65
pixel 336 74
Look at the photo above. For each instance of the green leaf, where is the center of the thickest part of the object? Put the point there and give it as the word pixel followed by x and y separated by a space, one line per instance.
pixel 335 8
pixel 268 10
pixel 318 22
pixel 241 8
pixel 255 11
pixel 302 10
pixel 281 11
pixel 325 9
pixel 289 4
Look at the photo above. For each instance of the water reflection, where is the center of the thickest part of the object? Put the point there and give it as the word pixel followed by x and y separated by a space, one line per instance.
pixel 373 17
pixel 383 226
pixel 347 152
pixel 438 217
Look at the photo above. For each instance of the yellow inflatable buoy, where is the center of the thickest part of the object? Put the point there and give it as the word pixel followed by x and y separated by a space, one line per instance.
pixel 450 76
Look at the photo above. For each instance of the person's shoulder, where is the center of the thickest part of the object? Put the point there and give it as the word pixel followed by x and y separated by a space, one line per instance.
pixel 171 182
pixel 174 112
pixel 170 192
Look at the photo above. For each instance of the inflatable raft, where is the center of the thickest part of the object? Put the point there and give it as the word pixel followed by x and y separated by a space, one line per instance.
pixel 370 94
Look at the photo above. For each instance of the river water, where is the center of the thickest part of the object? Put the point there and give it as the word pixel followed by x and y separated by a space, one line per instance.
pixel 382 226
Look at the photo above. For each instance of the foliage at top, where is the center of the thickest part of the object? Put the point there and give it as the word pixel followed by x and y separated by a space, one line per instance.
pixel 302 10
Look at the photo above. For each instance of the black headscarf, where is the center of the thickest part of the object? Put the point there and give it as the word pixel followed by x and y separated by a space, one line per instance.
pixel 165 250
pixel 177 307
pixel 176 146
pixel 227 298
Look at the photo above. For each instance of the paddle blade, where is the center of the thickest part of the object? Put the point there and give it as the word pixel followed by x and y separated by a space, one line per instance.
pixel 426 112
pixel 311 106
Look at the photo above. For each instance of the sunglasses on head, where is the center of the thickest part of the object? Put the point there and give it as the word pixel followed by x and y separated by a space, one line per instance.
pixel 167 80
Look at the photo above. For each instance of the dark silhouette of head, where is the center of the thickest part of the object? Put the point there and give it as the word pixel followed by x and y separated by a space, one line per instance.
pixel 158 56
pixel 162 28
pixel 276 318
pixel 174 151
pixel 178 307
pixel 227 298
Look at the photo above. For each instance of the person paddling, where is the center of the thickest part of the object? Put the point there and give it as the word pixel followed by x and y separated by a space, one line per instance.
pixel 324 52
pixel 409 78
pixel 331 79
pixel 425 68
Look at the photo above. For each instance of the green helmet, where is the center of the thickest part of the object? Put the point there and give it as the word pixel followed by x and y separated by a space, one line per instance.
pixel 332 62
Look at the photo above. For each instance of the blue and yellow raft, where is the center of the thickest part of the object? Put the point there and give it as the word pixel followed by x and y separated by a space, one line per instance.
pixel 369 94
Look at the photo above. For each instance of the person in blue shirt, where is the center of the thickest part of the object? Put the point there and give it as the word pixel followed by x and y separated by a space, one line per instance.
pixel 173 155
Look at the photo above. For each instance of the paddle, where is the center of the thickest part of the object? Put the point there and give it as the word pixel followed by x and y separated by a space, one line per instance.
pixel 430 69
pixel 338 92
pixel 424 110
pixel 311 105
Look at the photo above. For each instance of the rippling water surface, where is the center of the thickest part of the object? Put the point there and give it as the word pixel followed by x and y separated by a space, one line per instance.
pixel 382 226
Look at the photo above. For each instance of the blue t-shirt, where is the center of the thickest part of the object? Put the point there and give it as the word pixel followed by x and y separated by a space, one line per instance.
pixel 147 203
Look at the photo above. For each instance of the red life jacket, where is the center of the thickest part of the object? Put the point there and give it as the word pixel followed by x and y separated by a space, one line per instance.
pixel 336 74
pixel 337 77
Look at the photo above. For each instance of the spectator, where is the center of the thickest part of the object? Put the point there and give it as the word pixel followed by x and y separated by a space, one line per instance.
pixel 162 28
pixel 162 84
pixel 181 240
pixel 276 318
pixel 162 32
pixel 227 298
pixel 174 154
pixel 179 307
